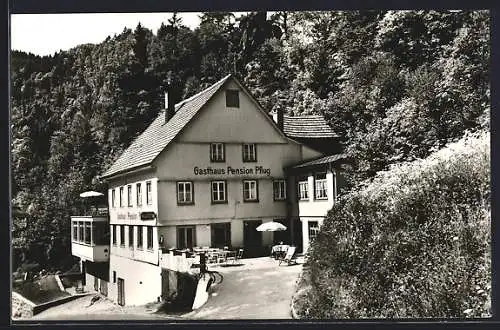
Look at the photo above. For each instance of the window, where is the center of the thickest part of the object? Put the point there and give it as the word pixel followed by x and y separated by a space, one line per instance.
pixel 321 189
pixel 232 99
pixel 87 233
pixel 313 230
pixel 131 237
pixel 149 198
pixel 122 235
pixel 113 232
pixel 121 196
pixel 149 237
pixel 80 231
pixel 217 152
pixel 279 190
pixel 184 192
pixel 186 237
pixel 129 195
pixel 138 191
pixel 114 276
pixel 250 191
pixel 100 233
pixel 249 152
pixel 139 237
pixel 303 189
pixel 219 192
pixel 113 198
pixel 75 231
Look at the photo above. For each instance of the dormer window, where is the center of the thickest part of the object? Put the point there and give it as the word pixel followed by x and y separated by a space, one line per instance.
pixel 232 99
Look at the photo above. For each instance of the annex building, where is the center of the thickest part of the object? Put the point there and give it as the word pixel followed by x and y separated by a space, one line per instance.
pixel 206 172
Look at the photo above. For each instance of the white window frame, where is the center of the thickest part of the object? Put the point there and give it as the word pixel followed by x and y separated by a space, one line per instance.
pixel 140 237
pixel 217 152
pixel 183 194
pixel 130 233
pixel 113 198
pixel 250 191
pixel 149 193
pixel 320 187
pixel 249 152
pixel 220 192
pixel 122 235
pixel 75 231
pixel 303 190
pixel 138 194
pixel 129 195
pixel 313 230
pixel 149 240
pixel 122 192
pixel 114 240
pixel 279 190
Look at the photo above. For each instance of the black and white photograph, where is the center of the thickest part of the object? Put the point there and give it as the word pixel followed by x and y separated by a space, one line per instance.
pixel 273 165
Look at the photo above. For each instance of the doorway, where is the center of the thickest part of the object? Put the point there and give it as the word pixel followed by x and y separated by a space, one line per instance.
pixel 252 239
pixel 221 234
pixel 121 292
pixel 284 235
pixel 186 237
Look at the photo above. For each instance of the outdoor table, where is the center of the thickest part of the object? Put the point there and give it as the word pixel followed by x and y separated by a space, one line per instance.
pixel 228 253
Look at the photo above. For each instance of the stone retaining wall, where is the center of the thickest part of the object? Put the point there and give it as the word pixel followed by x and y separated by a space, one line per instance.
pixel 22 308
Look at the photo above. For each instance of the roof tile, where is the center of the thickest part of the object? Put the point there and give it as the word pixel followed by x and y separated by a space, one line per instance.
pixel 148 145
pixel 310 126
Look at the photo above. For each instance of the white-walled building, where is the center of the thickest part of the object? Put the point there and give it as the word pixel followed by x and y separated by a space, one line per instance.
pixel 207 172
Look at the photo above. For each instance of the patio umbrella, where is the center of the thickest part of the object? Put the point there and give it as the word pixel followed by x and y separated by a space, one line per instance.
pixel 91 194
pixel 271 226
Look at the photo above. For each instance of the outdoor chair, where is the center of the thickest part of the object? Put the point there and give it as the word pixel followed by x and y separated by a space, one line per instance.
pixel 290 258
pixel 239 255
pixel 235 256
pixel 212 257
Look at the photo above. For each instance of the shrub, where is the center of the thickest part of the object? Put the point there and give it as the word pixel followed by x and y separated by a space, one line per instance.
pixel 412 242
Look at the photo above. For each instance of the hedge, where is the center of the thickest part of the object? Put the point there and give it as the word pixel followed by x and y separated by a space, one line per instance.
pixel 412 242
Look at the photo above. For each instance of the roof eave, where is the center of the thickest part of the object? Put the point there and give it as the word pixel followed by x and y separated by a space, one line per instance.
pixel 128 171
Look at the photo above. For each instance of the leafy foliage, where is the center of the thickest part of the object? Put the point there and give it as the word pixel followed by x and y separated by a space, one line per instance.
pixel 395 85
pixel 412 242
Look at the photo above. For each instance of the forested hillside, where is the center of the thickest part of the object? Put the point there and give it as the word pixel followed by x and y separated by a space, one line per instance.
pixel 394 85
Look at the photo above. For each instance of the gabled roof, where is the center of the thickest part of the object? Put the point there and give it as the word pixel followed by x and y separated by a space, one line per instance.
pixel 148 145
pixel 321 161
pixel 310 126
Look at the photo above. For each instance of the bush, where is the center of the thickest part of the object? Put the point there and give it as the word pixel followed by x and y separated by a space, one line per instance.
pixel 412 242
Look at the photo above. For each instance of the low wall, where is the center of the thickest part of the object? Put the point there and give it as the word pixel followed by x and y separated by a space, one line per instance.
pixel 40 308
pixel 22 308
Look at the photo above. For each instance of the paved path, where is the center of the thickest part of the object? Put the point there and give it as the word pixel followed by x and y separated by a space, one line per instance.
pixel 260 289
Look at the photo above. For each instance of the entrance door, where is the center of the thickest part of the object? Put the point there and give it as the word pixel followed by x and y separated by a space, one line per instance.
pixel 186 237
pixel 96 284
pixel 221 234
pixel 252 239
pixel 284 235
pixel 121 292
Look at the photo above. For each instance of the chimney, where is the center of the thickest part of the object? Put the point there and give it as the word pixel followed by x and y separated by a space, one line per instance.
pixel 169 103
pixel 280 118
